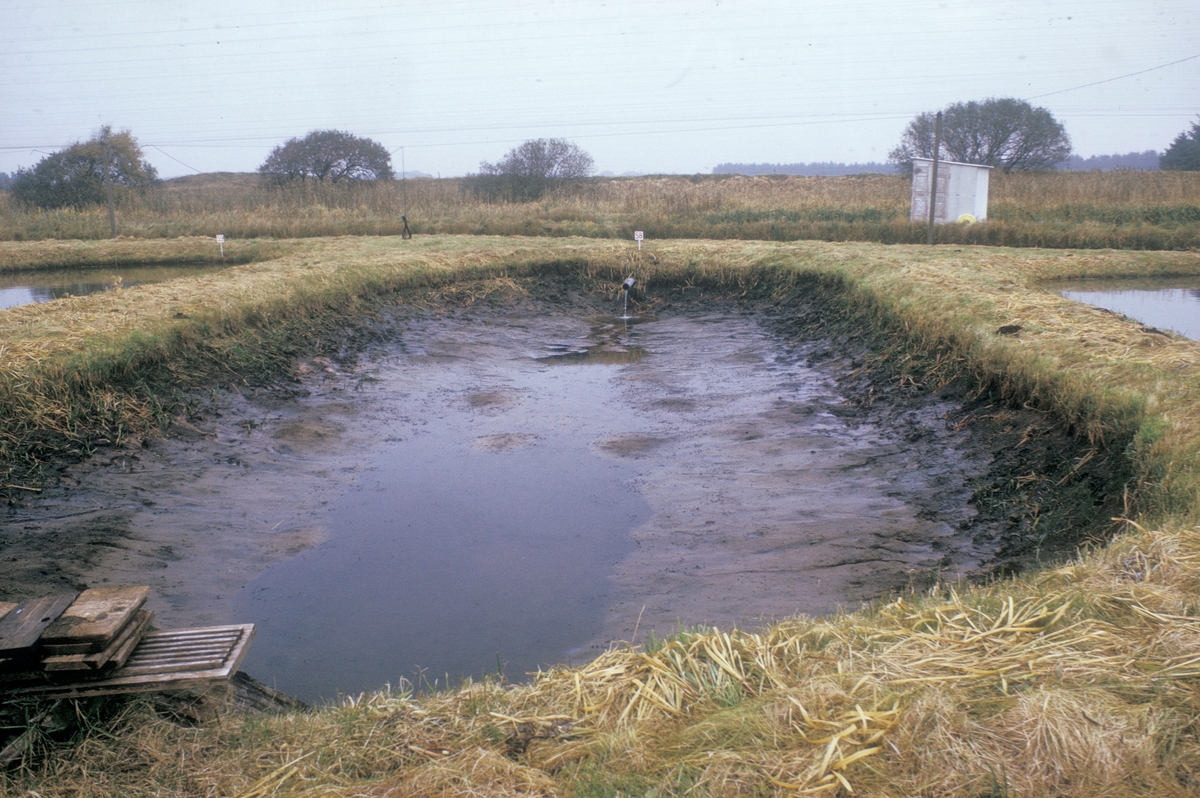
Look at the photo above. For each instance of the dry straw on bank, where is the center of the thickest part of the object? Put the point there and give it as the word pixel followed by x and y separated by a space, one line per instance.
pixel 1080 680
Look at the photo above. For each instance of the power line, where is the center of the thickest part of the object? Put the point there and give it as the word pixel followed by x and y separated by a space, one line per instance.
pixel 1119 77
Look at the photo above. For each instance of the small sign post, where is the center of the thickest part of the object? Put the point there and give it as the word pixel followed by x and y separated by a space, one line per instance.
pixel 221 241
pixel 637 236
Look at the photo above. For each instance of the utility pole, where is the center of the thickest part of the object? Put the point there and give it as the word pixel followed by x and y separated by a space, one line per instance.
pixel 937 146
pixel 112 208
pixel 403 182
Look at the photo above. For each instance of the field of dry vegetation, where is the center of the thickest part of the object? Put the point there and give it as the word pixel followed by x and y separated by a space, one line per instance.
pixel 1121 210
pixel 1079 680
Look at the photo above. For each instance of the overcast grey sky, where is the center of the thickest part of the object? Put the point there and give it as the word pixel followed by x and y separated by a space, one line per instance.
pixel 643 85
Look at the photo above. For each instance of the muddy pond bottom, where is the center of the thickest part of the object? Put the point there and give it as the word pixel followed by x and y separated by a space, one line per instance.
pixel 533 488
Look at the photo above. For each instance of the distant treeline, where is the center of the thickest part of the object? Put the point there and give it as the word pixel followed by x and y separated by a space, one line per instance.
pixel 826 169
pixel 5 181
pixel 1142 161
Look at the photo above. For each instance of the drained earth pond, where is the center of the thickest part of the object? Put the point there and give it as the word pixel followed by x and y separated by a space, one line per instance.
pixel 522 482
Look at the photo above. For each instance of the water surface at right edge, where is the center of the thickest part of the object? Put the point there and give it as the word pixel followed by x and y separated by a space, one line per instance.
pixel 1172 304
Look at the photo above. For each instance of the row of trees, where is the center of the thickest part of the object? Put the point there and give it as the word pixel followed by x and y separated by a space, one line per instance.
pixel 76 176
pixel 1005 133
pixel 525 173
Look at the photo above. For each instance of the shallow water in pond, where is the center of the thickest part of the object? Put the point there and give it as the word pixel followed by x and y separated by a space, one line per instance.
pixel 538 487
pixel 1168 304
pixel 457 555
pixel 28 287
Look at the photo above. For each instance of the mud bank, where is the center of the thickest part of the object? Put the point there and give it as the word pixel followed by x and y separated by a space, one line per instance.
pixel 531 479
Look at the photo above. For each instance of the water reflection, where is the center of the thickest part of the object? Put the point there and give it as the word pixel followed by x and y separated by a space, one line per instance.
pixel 607 345
pixel 24 288
pixel 1167 304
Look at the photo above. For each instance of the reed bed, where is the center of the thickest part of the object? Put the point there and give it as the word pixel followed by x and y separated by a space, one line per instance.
pixel 1123 210
pixel 1079 680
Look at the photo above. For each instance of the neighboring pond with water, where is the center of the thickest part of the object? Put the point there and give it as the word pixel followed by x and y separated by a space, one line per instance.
pixel 1168 304
pixel 28 287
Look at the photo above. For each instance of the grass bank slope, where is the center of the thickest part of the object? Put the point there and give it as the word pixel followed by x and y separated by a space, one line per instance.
pixel 1083 680
pixel 1125 210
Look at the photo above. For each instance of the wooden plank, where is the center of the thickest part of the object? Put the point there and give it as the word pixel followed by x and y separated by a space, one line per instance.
pixel 216 649
pixel 198 633
pixel 125 645
pixel 114 656
pixel 21 628
pixel 6 607
pixel 94 619
pixel 130 679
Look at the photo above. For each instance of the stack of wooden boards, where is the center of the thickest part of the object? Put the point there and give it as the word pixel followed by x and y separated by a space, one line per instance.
pixel 74 633
pixel 99 642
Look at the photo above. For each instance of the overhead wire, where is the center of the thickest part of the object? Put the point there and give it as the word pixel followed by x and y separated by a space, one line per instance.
pixel 598 116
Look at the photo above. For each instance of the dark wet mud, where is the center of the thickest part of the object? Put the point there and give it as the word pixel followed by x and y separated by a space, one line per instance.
pixel 520 483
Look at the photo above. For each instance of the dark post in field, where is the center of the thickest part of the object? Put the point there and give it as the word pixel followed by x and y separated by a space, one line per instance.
pixel 937 145
pixel 405 233
pixel 112 209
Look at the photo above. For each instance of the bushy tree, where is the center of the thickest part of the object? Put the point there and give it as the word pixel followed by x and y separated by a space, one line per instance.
pixel 1006 133
pixel 1184 153
pixel 332 155
pixel 527 171
pixel 74 177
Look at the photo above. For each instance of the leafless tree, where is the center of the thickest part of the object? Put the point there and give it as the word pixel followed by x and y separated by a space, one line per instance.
pixel 527 171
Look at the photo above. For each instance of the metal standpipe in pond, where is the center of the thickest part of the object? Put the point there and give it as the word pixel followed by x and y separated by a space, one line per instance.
pixel 626 287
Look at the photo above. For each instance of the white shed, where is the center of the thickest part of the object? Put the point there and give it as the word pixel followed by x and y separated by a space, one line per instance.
pixel 962 189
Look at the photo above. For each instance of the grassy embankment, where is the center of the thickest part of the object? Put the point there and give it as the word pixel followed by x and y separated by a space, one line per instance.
pixel 55 254
pixel 1083 680
pixel 1124 210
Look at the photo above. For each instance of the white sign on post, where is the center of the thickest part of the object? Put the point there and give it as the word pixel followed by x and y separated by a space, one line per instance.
pixel 637 236
pixel 221 241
